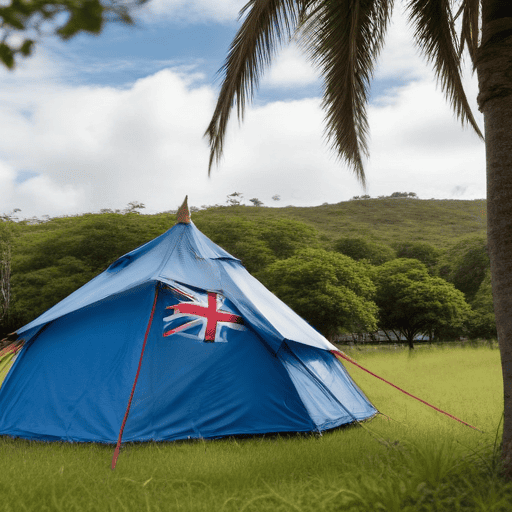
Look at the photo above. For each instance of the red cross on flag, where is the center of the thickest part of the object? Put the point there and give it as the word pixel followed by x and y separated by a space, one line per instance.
pixel 209 315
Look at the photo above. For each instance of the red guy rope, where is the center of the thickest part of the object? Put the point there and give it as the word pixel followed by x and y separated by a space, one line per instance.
pixel 341 355
pixel 118 446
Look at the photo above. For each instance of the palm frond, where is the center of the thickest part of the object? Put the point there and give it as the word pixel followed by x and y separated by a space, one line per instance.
pixel 343 39
pixel 267 23
pixel 470 26
pixel 435 35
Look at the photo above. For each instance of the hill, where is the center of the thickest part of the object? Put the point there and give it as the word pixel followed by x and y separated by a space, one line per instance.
pixel 437 222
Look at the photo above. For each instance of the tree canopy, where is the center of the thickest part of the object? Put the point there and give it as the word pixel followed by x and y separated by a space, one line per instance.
pixel 363 249
pixel 330 290
pixel 23 22
pixel 258 244
pixel 412 302
pixel 465 264
pixel 482 323
pixel 422 251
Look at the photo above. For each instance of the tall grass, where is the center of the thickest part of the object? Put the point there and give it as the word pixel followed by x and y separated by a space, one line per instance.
pixel 418 460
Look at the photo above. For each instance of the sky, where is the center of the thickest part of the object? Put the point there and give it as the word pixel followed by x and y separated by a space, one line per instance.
pixel 97 122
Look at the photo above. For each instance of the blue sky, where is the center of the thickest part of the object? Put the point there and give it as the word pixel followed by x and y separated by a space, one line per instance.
pixel 99 121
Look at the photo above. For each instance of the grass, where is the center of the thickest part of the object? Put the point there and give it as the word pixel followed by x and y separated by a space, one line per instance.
pixel 419 460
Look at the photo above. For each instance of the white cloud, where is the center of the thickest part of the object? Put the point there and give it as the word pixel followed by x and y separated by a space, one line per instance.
pixel 279 150
pixel 7 178
pixel 400 59
pixel 96 147
pixel 291 68
pixel 192 11
pixel 37 195
pixel 104 147
pixel 51 196
pixel 419 146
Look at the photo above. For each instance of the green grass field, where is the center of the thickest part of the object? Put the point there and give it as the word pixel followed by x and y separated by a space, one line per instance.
pixel 418 460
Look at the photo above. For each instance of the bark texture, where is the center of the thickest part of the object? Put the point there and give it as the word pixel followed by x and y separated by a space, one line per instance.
pixel 494 67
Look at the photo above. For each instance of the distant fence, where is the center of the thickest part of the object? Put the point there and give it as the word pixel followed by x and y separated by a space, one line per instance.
pixel 374 337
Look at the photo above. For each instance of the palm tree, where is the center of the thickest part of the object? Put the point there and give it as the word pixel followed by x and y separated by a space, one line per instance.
pixel 343 38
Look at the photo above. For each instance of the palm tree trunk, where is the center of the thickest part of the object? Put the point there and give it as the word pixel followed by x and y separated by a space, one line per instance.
pixel 494 67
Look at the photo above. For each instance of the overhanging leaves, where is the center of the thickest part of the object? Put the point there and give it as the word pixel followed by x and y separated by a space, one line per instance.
pixel 266 25
pixel 344 39
pixel 435 36
pixel 65 18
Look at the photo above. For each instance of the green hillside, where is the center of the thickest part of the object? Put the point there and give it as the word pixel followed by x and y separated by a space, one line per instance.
pixel 438 222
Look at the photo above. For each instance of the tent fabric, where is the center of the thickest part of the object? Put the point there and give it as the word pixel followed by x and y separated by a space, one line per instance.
pixel 223 356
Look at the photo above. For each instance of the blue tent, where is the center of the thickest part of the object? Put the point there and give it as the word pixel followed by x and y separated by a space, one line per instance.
pixel 175 340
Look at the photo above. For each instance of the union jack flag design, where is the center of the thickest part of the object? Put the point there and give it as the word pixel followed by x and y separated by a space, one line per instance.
pixel 203 320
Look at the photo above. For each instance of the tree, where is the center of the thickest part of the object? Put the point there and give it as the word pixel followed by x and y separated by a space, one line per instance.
pixel 360 248
pixel 40 289
pixel 134 207
pixel 235 199
pixel 329 290
pixel 284 237
pixel 482 323
pixel 240 237
pixel 465 264
pixel 404 194
pixel 412 302
pixel 21 21
pixel 344 39
pixel 426 253
pixel 6 236
pixel 5 277
pixel 258 244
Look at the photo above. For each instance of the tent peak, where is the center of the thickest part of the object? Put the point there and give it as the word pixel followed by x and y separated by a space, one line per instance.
pixel 183 215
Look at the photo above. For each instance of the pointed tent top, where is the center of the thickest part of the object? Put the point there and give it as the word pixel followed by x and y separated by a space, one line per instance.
pixel 183 215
